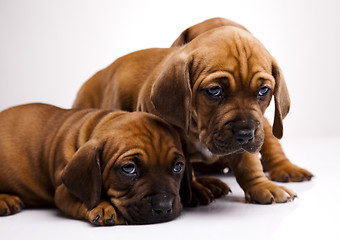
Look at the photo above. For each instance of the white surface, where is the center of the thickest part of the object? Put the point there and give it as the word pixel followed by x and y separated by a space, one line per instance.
pixel 314 215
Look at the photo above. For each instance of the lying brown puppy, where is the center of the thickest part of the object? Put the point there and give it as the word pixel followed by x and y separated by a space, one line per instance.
pixel 273 158
pixel 105 167
pixel 216 89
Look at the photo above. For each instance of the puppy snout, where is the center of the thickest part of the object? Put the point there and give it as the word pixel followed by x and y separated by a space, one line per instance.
pixel 244 131
pixel 162 205
pixel 244 136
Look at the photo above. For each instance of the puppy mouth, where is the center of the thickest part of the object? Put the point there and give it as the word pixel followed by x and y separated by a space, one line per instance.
pixel 139 212
pixel 137 216
pixel 226 146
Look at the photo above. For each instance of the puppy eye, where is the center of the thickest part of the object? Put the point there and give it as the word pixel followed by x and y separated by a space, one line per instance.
pixel 214 91
pixel 129 169
pixel 263 91
pixel 178 167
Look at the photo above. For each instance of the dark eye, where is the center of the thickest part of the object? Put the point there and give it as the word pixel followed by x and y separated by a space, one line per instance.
pixel 263 91
pixel 214 91
pixel 178 167
pixel 129 168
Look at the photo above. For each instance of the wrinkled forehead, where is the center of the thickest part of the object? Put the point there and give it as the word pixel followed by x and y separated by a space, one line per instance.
pixel 231 50
pixel 151 129
pixel 147 136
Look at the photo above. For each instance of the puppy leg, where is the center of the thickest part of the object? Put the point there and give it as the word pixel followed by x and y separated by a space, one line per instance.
pixel 10 204
pixel 257 187
pixel 276 163
pixel 104 214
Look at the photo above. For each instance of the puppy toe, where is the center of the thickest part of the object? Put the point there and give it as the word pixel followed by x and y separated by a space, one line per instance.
pixel 102 215
pixel 201 195
pixel 282 194
pixel 217 187
pixel 289 172
pixel 10 204
pixel 268 193
pixel 263 196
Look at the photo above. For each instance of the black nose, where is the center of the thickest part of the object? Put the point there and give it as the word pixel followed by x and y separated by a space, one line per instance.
pixel 244 136
pixel 162 205
pixel 244 130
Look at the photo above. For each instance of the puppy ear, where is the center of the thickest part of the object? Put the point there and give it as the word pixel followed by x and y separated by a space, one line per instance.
pixel 171 92
pixel 185 189
pixel 182 39
pixel 282 100
pixel 82 175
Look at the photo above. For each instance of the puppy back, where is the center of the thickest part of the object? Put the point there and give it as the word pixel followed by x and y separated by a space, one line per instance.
pixel 36 141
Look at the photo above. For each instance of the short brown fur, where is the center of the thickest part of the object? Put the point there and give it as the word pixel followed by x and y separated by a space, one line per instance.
pixel 174 82
pixel 74 159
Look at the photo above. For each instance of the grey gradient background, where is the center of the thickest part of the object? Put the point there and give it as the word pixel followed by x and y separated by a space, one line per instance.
pixel 48 49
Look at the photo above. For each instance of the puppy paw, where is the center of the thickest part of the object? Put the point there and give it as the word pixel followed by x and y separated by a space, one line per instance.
pixel 10 204
pixel 288 172
pixel 268 192
pixel 104 215
pixel 217 187
pixel 206 189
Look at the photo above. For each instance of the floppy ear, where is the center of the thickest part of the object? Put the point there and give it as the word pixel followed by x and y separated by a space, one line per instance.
pixel 185 189
pixel 282 100
pixel 182 39
pixel 171 92
pixel 82 175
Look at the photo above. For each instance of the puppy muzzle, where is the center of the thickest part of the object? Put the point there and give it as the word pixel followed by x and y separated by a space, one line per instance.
pixel 236 137
pixel 153 209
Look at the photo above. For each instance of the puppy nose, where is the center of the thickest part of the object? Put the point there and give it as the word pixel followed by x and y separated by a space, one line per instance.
pixel 162 205
pixel 244 136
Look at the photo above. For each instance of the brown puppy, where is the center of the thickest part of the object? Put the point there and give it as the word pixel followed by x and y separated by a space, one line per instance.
pixel 216 89
pixel 273 158
pixel 105 167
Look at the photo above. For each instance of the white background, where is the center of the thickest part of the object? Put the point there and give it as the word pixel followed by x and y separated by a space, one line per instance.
pixel 48 49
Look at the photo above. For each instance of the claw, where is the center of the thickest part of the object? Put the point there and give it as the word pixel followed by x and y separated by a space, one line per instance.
pixel 286 178
pixel 302 178
pixel 96 219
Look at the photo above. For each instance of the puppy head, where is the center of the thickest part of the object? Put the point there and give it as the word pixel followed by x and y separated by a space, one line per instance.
pixel 192 32
pixel 231 78
pixel 136 162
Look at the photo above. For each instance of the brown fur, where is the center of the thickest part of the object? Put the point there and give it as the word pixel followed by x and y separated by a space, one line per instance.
pixel 273 158
pixel 174 83
pixel 74 159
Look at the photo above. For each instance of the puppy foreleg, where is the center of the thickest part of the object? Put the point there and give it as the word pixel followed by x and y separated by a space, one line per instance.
pixel 103 214
pixel 257 187
pixel 275 161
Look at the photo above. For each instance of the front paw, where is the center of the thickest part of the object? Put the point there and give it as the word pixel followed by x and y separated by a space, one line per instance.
pixel 104 214
pixel 288 172
pixel 10 204
pixel 268 192
pixel 206 189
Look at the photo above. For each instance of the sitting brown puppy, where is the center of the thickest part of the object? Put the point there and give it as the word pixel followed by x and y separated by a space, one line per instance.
pixel 215 88
pixel 273 158
pixel 105 167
